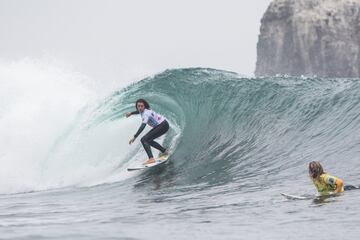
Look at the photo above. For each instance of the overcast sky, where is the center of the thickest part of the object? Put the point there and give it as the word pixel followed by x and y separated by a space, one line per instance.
pixel 113 39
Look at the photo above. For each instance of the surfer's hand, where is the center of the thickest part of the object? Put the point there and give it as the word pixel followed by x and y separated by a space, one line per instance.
pixel 128 114
pixel 131 140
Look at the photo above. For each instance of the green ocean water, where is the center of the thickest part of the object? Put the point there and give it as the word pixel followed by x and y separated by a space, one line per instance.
pixel 236 144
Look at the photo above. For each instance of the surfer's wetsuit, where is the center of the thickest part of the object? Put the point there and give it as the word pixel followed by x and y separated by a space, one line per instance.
pixel 160 126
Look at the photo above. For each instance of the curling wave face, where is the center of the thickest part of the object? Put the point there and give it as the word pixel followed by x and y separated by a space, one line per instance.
pixel 225 130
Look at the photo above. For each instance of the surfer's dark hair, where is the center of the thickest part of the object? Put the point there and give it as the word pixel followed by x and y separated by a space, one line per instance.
pixel 315 169
pixel 146 104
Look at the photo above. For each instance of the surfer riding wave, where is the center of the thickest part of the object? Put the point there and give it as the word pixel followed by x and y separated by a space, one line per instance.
pixel 159 124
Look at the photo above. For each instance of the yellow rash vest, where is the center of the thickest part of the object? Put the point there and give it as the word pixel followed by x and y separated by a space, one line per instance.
pixel 326 184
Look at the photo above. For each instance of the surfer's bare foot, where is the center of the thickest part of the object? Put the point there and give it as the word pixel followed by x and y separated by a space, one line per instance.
pixel 166 153
pixel 150 160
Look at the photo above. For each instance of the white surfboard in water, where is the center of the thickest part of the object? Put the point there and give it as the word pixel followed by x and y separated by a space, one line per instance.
pixel 310 197
pixel 294 197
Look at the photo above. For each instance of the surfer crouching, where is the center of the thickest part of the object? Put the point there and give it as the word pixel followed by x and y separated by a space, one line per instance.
pixel 159 124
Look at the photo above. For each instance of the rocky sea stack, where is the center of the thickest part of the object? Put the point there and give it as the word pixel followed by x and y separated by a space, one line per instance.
pixel 310 37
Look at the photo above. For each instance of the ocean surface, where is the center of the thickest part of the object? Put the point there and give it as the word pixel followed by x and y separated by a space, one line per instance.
pixel 236 144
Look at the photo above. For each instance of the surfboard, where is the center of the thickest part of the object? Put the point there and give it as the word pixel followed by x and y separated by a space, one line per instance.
pixel 310 197
pixel 295 197
pixel 318 197
pixel 158 161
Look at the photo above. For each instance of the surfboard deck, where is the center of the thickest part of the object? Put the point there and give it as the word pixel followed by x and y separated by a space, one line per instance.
pixel 295 197
pixel 310 197
pixel 158 161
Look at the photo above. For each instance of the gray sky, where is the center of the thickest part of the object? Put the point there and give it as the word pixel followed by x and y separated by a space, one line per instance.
pixel 124 40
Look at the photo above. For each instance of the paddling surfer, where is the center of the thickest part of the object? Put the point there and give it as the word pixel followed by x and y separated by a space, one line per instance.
pixel 324 182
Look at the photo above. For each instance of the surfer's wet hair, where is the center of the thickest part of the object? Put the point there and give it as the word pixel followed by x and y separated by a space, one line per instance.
pixel 146 104
pixel 315 169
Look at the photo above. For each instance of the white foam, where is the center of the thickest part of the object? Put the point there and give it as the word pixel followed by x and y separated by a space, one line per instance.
pixel 52 132
pixel 37 103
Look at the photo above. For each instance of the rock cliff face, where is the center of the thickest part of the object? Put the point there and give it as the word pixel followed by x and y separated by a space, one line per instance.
pixel 310 37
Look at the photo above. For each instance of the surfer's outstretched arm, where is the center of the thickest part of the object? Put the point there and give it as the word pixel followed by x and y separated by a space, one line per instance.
pixel 141 128
pixel 131 113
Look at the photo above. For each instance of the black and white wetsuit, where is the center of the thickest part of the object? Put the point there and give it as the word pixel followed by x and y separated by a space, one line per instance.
pixel 160 126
